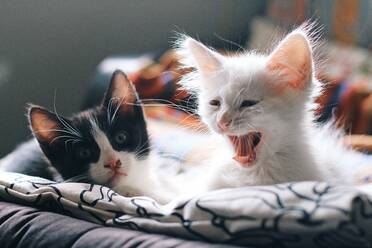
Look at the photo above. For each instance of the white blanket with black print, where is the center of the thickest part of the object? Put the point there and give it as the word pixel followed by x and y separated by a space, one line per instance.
pixel 310 214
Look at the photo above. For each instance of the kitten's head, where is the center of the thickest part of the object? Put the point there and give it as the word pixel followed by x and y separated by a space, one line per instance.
pixel 252 99
pixel 101 145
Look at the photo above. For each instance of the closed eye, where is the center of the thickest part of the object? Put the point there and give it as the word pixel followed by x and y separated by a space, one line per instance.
pixel 248 103
pixel 215 103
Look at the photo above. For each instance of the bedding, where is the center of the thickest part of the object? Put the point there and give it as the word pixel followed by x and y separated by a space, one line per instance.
pixel 310 214
pixel 307 214
pixel 23 226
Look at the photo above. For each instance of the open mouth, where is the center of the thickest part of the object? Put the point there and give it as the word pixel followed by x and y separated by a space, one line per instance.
pixel 245 147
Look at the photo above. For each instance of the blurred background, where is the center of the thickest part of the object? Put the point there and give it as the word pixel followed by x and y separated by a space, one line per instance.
pixel 61 52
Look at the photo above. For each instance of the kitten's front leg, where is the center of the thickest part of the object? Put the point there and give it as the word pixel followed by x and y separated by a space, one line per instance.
pixel 155 190
pixel 159 195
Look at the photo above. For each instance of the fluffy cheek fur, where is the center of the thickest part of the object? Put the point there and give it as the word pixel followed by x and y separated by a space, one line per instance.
pixel 207 112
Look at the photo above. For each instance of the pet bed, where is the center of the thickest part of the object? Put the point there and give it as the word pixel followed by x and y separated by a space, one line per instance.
pixel 307 214
pixel 25 226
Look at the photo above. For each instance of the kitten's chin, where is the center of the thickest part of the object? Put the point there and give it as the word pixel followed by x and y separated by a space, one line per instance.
pixel 114 178
pixel 246 148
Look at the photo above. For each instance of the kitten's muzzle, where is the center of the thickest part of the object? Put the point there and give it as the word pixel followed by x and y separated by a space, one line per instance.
pixel 224 123
pixel 114 166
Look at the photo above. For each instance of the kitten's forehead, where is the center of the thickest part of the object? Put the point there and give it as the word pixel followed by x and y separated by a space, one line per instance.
pixel 243 76
pixel 245 68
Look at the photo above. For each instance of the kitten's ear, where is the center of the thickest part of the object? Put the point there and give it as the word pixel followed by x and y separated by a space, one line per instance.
pixel 195 54
pixel 292 62
pixel 45 125
pixel 121 92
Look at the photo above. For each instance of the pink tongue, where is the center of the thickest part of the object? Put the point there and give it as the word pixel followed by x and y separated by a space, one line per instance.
pixel 244 150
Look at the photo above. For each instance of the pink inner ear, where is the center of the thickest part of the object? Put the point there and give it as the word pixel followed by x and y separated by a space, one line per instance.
pixel 123 92
pixel 206 59
pixel 291 61
pixel 293 78
pixel 44 125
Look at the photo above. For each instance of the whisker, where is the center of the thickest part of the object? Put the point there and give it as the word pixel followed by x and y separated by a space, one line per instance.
pixel 161 103
pixel 78 178
pixel 111 115
pixel 64 136
pixel 139 147
pixel 73 143
pixel 63 122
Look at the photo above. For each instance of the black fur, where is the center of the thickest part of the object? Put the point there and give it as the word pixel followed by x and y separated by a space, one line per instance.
pixel 71 158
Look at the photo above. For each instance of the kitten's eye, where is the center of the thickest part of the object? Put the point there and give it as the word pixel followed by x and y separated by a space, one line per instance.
pixel 248 103
pixel 84 153
pixel 121 137
pixel 216 103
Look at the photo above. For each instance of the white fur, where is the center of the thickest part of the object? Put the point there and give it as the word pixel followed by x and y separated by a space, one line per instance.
pixel 293 148
pixel 140 178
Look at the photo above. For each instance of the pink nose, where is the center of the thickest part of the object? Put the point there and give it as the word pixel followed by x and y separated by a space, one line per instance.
pixel 224 122
pixel 113 164
pixel 223 125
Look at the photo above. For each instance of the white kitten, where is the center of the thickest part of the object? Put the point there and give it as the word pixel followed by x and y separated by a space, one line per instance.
pixel 261 105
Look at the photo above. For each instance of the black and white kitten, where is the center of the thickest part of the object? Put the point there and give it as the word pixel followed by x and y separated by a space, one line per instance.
pixel 107 145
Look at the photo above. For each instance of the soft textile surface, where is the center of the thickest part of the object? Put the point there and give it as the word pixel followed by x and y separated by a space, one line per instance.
pixel 28 227
pixel 286 215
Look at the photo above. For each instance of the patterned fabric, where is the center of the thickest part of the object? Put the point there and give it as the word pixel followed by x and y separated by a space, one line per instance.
pixel 287 215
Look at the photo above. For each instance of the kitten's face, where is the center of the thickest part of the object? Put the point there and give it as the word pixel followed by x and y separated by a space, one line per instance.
pixel 102 145
pixel 236 101
pixel 253 100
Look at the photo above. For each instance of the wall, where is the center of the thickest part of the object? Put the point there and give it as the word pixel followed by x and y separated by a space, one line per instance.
pixel 53 46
